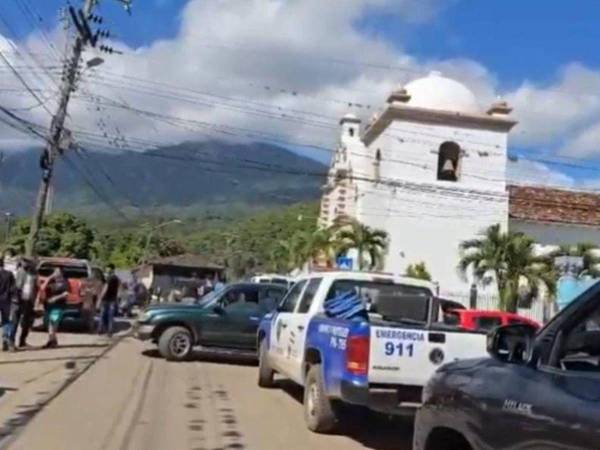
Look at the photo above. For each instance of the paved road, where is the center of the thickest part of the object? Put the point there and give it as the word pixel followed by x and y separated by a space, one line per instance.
pixel 132 399
pixel 31 378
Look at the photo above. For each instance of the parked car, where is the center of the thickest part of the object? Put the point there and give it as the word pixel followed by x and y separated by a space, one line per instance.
pixel 482 320
pixel 537 391
pixel 380 360
pixel 273 279
pixel 76 272
pixel 226 319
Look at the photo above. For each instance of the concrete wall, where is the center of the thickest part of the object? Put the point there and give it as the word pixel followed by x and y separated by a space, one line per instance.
pixel 548 234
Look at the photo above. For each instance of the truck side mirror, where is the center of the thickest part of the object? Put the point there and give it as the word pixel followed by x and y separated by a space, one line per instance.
pixel 511 343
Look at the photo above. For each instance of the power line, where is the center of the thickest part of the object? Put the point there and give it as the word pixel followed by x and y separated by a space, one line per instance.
pixel 411 187
pixel 99 193
pixel 24 83
pixel 31 54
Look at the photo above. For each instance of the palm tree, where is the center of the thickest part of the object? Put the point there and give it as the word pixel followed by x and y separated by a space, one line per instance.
pixel 418 271
pixel 366 241
pixel 291 253
pixel 509 259
pixel 588 252
pixel 322 245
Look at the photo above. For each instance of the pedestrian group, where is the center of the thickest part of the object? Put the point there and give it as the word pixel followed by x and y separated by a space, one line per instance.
pixel 21 295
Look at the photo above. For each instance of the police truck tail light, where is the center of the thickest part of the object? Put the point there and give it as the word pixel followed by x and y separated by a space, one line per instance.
pixel 357 355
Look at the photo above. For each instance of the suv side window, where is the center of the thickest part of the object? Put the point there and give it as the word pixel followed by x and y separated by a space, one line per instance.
pixel 270 297
pixel 291 299
pixel 580 347
pixel 241 298
pixel 309 295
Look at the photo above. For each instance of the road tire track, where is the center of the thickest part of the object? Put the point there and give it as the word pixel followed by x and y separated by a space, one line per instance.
pixel 139 408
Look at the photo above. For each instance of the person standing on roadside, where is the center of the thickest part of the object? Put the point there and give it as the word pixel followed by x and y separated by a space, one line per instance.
pixel 90 293
pixel 8 293
pixel 55 291
pixel 108 301
pixel 219 282
pixel 22 314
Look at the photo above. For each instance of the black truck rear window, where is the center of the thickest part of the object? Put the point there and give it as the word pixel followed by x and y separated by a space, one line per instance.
pixel 46 270
pixel 391 301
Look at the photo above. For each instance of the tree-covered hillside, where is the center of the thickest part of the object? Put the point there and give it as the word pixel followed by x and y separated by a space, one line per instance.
pixel 186 180
pixel 245 245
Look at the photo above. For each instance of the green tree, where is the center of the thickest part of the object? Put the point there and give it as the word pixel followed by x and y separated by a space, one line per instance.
pixel 255 244
pixel 62 234
pixel 419 271
pixel 509 259
pixel 365 240
pixel 322 246
pixel 589 253
pixel 126 249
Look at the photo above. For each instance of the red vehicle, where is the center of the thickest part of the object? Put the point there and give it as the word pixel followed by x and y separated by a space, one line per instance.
pixel 77 273
pixel 482 320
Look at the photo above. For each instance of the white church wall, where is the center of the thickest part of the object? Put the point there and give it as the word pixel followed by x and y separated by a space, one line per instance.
pixel 549 234
pixel 429 227
pixel 396 183
pixel 427 219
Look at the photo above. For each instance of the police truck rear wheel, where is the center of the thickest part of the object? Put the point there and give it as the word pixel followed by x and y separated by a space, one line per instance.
pixel 175 344
pixel 265 373
pixel 319 412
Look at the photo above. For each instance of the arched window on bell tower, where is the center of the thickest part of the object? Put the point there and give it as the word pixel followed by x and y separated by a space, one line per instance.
pixel 448 168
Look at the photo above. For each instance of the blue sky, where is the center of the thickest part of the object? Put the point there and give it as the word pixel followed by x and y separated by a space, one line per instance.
pixel 541 54
pixel 515 39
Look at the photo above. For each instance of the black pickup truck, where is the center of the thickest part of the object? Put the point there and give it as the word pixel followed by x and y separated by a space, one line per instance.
pixel 537 391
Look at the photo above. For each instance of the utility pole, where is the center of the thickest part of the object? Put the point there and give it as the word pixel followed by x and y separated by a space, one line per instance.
pixel 59 138
pixel 8 218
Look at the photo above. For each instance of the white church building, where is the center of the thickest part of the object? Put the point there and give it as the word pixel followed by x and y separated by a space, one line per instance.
pixel 431 170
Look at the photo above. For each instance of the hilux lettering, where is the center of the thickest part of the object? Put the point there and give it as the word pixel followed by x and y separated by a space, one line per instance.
pixel 517 407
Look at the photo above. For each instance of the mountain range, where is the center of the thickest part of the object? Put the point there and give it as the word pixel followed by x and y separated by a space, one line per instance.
pixel 185 178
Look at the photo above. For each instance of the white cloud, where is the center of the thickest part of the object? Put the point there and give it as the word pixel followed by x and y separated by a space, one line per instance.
pixel 232 49
pixel 551 115
pixel 524 172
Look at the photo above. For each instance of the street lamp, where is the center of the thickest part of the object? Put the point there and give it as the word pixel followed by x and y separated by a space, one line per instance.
pixel 157 227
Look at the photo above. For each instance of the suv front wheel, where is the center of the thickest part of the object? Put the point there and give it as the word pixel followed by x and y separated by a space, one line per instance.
pixel 175 344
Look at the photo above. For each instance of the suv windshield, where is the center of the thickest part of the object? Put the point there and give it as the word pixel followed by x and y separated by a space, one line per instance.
pixel 391 301
pixel 46 269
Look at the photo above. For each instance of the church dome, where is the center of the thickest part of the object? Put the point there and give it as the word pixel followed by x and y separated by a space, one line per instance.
pixel 438 92
pixel 349 117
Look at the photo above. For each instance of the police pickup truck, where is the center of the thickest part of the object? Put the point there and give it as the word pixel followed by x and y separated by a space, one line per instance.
pixel 362 339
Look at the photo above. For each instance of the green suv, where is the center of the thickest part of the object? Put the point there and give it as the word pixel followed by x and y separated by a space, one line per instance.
pixel 227 319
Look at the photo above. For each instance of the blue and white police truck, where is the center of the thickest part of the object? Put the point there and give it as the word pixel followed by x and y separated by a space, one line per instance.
pixel 354 338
